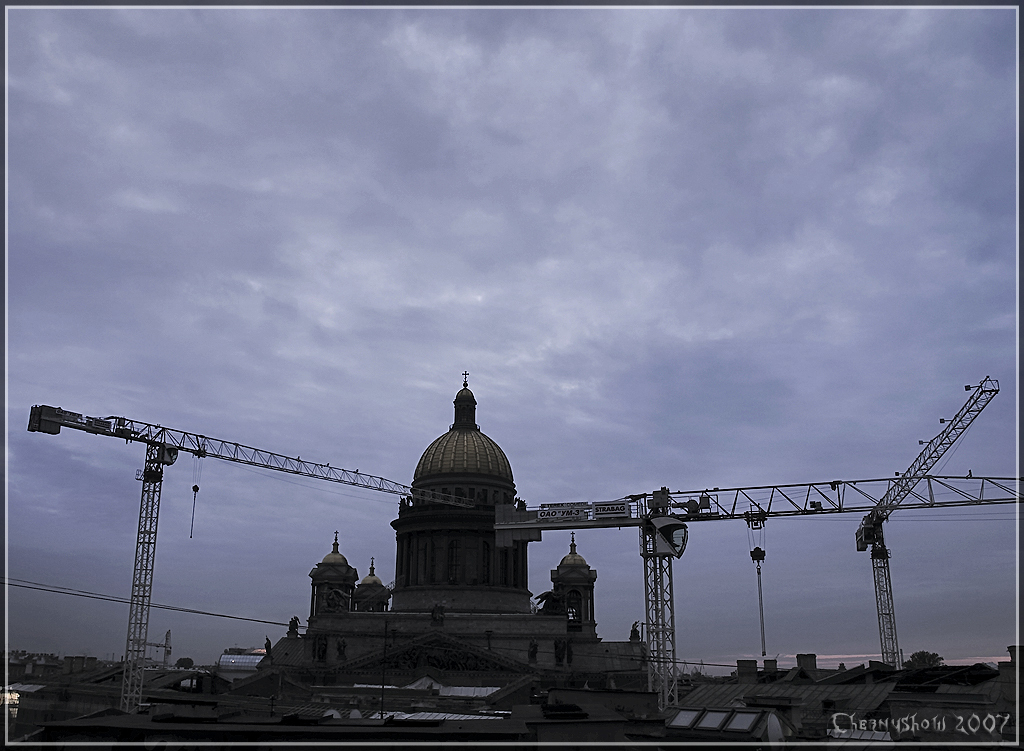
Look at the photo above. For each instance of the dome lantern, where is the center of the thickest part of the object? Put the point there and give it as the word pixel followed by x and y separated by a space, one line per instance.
pixel 465 407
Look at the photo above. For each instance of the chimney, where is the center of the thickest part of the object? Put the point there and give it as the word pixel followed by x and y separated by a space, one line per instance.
pixel 1008 675
pixel 771 666
pixel 746 671
pixel 807 662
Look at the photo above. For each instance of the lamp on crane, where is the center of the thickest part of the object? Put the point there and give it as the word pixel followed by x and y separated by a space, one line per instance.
pixel 670 535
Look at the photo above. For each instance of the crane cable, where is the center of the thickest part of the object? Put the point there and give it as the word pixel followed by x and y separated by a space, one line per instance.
pixel 754 522
pixel 197 474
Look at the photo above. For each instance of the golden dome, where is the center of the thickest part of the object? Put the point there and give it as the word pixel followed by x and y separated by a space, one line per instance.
pixel 464 449
pixel 572 558
pixel 371 578
pixel 334 556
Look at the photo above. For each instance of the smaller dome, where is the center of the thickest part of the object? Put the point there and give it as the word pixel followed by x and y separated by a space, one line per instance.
pixel 334 556
pixel 371 578
pixel 572 558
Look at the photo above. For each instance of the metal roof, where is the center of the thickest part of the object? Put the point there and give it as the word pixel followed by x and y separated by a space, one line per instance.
pixel 444 716
pixel 23 688
pixel 862 696
pixel 463 450
pixel 467 690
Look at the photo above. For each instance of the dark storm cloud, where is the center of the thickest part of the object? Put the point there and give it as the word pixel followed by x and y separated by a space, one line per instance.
pixel 672 246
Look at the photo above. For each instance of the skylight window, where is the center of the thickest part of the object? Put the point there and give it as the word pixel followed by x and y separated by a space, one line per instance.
pixel 742 721
pixel 711 720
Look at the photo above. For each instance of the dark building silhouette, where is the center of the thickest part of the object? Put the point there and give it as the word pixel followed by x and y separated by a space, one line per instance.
pixel 460 611
pixel 446 554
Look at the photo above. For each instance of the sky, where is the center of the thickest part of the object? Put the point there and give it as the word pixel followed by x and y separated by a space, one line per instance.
pixel 674 247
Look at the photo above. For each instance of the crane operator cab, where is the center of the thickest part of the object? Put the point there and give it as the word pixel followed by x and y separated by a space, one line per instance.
pixel 670 531
pixel 670 535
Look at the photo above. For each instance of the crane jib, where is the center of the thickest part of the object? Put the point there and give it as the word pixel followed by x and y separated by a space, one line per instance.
pixel 901 487
pixel 162 448
pixel 870 534
pixel 47 419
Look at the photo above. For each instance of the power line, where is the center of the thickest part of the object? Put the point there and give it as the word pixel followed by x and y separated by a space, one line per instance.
pixel 24 584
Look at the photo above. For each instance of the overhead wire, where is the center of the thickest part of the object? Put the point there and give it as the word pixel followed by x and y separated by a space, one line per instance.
pixel 25 584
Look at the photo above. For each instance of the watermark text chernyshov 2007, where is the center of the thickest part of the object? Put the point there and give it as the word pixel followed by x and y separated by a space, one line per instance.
pixel 953 724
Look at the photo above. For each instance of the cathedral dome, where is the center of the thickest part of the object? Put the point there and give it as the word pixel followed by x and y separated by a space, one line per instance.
pixel 464 449
pixel 334 556
pixel 371 578
pixel 572 558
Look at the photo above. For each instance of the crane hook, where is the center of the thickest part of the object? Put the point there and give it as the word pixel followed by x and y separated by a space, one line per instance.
pixel 757 555
pixel 197 473
pixel 195 494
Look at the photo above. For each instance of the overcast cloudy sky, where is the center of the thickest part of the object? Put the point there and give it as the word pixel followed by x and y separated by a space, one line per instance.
pixel 681 247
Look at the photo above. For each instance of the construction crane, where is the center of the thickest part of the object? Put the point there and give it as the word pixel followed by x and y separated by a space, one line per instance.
pixel 870 530
pixel 165 646
pixel 663 515
pixel 162 447
pixel 663 534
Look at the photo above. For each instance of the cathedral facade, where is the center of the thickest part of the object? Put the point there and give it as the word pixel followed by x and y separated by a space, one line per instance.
pixel 460 611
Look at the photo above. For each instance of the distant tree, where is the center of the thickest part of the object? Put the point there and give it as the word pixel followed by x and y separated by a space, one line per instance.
pixel 184 662
pixel 923 659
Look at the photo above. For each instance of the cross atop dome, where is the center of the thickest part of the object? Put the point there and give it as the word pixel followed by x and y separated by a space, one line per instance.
pixel 465 379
